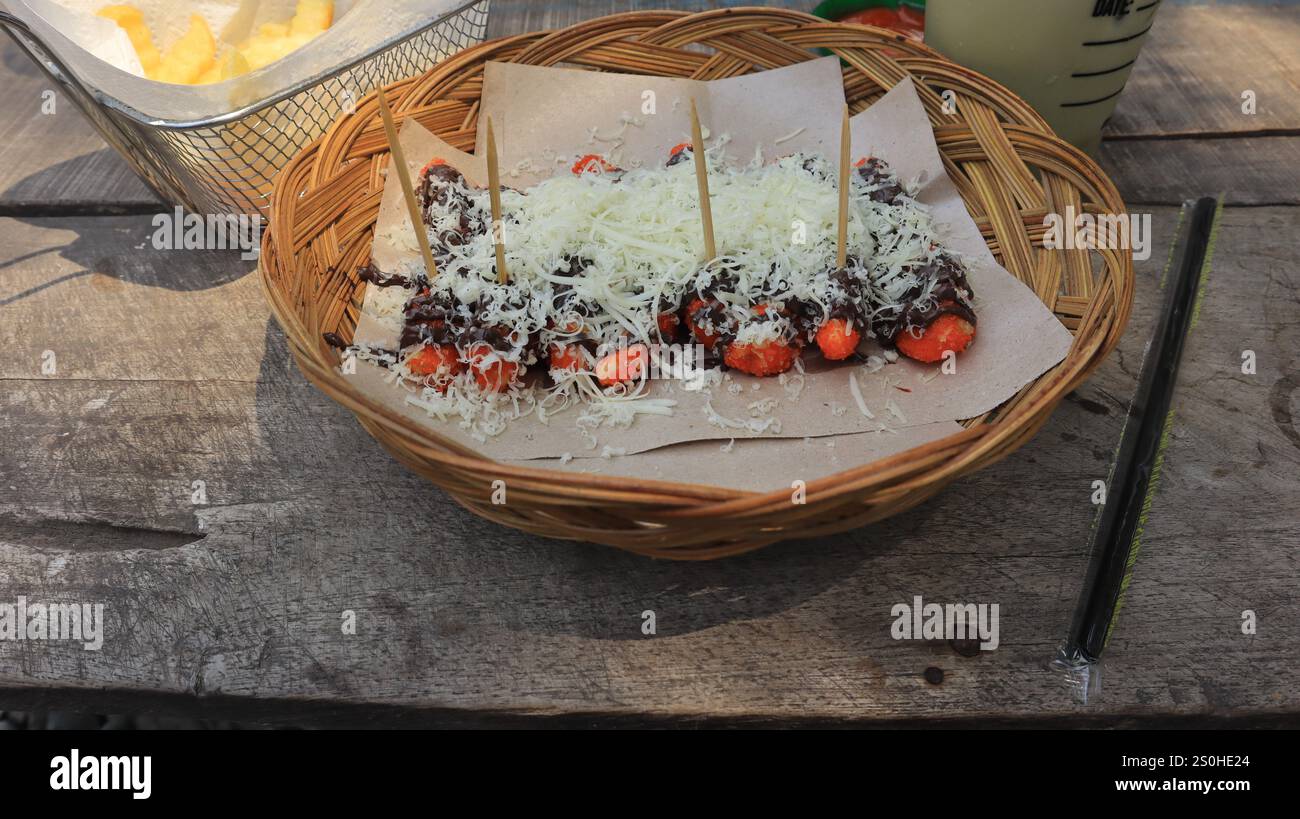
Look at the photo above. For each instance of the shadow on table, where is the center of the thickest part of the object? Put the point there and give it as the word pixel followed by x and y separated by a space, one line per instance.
pixel 435 572
pixel 418 544
pixel 94 183
pixel 123 247
pixel 322 504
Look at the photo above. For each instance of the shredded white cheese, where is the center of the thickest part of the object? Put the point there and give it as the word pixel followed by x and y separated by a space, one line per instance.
pixel 637 235
pixel 857 396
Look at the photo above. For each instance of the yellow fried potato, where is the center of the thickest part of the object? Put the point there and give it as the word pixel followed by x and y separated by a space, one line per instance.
pixel 210 76
pixel 123 14
pixel 193 58
pixel 259 51
pixel 230 65
pixel 235 66
pixel 311 17
pixel 189 57
pixel 131 20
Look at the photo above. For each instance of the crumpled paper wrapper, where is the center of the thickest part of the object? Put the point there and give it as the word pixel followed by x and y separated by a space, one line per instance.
pixel 544 113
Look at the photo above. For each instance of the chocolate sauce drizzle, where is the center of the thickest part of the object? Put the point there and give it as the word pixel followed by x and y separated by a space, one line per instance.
pixel 885 187
pixel 439 318
pixel 372 274
pixel 950 294
pixel 444 186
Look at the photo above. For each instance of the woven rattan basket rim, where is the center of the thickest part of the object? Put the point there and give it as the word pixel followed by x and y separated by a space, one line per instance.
pixel 1015 129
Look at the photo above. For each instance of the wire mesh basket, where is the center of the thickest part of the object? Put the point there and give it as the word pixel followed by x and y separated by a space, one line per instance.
pixel 226 164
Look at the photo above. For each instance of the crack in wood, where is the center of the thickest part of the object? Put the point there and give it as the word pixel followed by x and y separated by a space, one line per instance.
pixel 54 534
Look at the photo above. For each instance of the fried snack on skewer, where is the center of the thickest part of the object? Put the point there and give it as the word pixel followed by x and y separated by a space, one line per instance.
pixel 438 361
pixel 936 316
pixel 761 359
pixel 883 186
pixel 679 154
pixel 622 365
pixel 492 372
pixel 571 357
pixel 948 333
pixel 765 345
pixel 838 339
pixel 598 265
pixel 442 188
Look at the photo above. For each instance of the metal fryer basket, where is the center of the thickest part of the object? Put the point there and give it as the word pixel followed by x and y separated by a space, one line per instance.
pixel 225 164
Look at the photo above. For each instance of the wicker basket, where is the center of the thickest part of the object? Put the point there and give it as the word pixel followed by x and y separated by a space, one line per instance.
pixel 1009 167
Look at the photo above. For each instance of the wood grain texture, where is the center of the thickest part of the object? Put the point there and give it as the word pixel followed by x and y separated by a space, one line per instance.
pixel 1242 170
pixel 1223 527
pixel 234 606
pixel 1191 74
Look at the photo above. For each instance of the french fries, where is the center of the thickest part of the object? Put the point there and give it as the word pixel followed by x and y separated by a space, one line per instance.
pixel 190 56
pixel 231 65
pixel 274 41
pixel 311 17
pixel 131 19
pixel 193 59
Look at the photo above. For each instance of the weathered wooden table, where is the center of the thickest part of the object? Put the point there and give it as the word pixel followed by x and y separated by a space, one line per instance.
pixel 169 371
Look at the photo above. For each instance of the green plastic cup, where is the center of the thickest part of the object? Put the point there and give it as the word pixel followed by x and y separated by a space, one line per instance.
pixel 1069 59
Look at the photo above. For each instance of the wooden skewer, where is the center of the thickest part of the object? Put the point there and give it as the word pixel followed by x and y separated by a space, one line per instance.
pixel 842 249
pixel 408 192
pixel 494 193
pixel 702 179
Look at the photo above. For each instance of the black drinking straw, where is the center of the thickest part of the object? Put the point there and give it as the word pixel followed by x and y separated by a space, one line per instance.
pixel 1137 464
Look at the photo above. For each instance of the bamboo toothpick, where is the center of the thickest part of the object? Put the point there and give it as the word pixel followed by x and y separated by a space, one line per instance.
pixel 494 193
pixel 408 192
pixel 702 179
pixel 842 248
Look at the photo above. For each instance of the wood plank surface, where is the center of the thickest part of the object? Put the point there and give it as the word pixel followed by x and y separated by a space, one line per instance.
pixel 1200 59
pixel 1223 528
pixel 172 372
pixel 1248 171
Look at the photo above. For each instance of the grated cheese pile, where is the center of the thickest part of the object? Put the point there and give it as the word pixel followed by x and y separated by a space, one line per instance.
pixel 597 259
